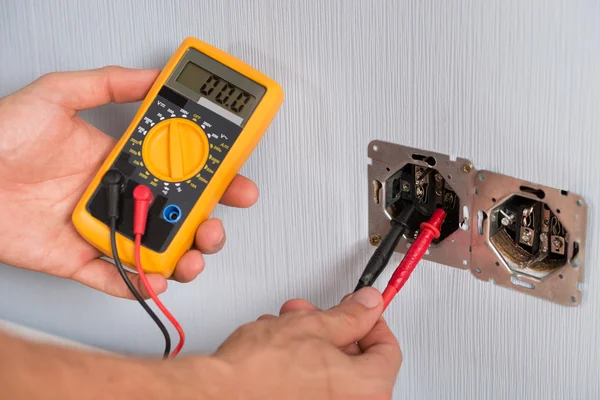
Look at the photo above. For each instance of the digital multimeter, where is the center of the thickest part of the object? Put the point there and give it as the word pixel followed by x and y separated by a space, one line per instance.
pixel 197 126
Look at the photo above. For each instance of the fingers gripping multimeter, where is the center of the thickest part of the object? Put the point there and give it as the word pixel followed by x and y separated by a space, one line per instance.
pixel 197 126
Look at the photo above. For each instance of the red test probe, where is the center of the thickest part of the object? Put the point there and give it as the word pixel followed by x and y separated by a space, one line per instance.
pixel 142 197
pixel 429 231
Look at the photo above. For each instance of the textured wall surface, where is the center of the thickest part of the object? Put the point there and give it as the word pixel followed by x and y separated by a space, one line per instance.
pixel 512 85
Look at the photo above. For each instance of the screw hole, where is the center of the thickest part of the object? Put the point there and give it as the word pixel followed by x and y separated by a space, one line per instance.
pixel 536 192
pixel 481 217
pixel 476 191
pixel 478 270
pixel 517 282
pixel 481 177
pixel 465 262
pixel 557 211
pixel 449 176
pixel 427 160
pixel 575 259
pixel 376 190
pixel 494 199
pixel 579 203
pixel 453 240
pixel 573 299
pixel 375 148
pixel 497 264
pixel 561 276
pixel 464 224
pixel 387 169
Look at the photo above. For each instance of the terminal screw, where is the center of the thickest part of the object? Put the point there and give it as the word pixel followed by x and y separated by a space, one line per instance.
pixel 546 222
pixel 557 244
pixel 467 168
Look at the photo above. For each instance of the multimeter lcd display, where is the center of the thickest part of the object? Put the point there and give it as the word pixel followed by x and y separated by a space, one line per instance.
pixel 215 89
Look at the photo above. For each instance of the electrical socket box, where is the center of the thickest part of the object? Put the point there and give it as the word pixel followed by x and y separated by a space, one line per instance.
pixel 518 234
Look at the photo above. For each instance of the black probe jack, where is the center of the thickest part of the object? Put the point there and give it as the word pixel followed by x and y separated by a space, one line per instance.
pixel 114 182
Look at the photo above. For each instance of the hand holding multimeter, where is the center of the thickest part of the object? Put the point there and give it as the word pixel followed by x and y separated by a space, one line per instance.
pixel 48 156
pixel 198 124
pixel 53 155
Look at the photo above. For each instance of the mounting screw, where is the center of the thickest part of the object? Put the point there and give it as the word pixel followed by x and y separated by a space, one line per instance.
pixel 406 187
pixel 438 178
pixel 375 240
pixel 467 168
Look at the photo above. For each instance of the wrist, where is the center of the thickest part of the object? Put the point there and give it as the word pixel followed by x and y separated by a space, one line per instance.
pixel 206 378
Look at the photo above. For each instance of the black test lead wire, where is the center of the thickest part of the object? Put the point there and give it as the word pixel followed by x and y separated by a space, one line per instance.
pixel 112 180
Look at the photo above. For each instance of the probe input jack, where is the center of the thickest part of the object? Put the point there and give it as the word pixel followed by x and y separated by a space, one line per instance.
pixel 172 213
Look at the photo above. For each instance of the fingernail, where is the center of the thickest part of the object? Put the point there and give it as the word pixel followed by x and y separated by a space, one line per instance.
pixel 222 240
pixel 368 297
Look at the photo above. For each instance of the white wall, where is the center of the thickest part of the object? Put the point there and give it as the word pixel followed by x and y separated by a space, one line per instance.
pixel 512 85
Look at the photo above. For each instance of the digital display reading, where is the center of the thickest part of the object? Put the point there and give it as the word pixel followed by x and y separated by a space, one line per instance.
pixel 216 89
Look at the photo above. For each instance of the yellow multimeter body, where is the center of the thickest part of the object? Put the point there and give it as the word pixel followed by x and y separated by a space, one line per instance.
pixel 197 126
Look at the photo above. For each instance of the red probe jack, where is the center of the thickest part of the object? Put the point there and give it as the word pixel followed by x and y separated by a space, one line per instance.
pixel 429 231
pixel 142 197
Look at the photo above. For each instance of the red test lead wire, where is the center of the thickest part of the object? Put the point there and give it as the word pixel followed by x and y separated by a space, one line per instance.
pixel 142 197
pixel 429 231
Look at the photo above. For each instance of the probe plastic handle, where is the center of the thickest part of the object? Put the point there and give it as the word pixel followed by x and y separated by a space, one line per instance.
pixel 429 231
pixel 142 197
pixel 383 253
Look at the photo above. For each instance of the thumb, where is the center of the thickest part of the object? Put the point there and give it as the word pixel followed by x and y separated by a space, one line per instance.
pixel 354 317
pixel 80 90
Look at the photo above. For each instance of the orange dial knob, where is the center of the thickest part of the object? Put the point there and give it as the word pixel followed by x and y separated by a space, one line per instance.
pixel 175 149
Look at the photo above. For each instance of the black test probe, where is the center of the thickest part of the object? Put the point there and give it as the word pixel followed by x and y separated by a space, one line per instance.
pixel 383 253
pixel 381 256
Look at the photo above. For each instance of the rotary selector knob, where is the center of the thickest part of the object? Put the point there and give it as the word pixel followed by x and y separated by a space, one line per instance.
pixel 175 150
